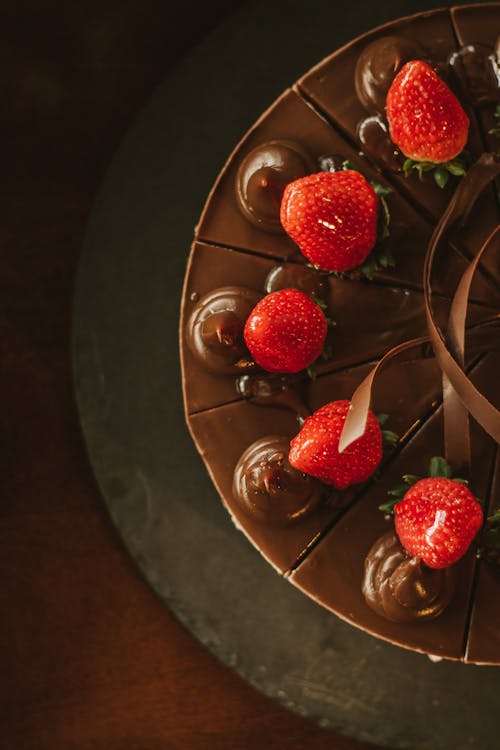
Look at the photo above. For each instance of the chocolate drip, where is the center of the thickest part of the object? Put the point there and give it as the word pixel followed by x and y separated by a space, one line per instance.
pixel 215 328
pixel 264 389
pixel 373 135
pixel 268 488
pixel 403 588
pixel 262 177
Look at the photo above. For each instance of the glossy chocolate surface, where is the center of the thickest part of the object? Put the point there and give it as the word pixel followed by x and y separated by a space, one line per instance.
pixel 316 536
pixel 333 572
pixel 329 87
pixel 262 177
pixel 402 588
pixel 268 488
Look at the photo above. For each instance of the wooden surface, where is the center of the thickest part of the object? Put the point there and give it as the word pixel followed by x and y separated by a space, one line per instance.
pixel 90 658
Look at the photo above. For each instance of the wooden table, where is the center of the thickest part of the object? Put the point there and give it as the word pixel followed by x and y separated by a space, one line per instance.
pixel 90 658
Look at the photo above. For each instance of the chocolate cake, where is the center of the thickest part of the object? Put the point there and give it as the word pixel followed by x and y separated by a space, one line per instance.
pixel 438 265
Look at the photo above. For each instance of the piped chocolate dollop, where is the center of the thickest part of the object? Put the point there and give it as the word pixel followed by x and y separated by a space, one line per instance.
pixel 378 64
pixel 268 488
pixel 215 329
pixel 262 177
pixel 402 588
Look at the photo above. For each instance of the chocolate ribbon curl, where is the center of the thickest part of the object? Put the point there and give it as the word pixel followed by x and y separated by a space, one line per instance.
pixel 460 396
pixel 357 415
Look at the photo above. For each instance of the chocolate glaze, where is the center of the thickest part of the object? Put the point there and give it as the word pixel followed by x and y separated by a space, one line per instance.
pixel 268 488
pixel 390 312
pixel 264 389
pixel 294 276
pixel 402 588
pixel 483 644
pixel 330 87
pixel 215 329
pixel 262 177
pixel 476 64
pixel 333 572
pixel 377 65
pixel 478 27
pixel 292 119
pixel 213 267
pixel 373 134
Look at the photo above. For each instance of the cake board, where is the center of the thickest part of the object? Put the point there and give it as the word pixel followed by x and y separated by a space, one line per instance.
pixel 128 389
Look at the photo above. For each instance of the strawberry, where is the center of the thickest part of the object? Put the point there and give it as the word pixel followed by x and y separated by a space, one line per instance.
pixel 426 120
pixel 315 449
pixel 332 216
pixel 286 331
pixel 437 520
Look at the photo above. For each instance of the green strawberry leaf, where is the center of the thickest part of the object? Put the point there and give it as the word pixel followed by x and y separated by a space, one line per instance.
pixel 349 165
pixel 399 491
pixel 408 165
pixel 311 372
pixel 492 534
pixel 456 168
pixel 386 258
pixel 492 537
pixel 380 190
pixel 441 177
pixel 327 353
pixel 381 418
pixel 388 507
pixel 385 216
pixel 411 479
pixel 320 302
pixel 439 467
pixel 369 266
pixel 390 437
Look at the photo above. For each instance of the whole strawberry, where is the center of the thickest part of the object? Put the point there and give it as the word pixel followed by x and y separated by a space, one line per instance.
pixel 315 449
pixel 286 331
pixel 426 120
pixel 437 520
pixel 332 216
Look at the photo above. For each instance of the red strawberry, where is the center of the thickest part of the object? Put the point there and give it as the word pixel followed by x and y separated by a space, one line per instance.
pixel 332 216
pixel 426 120
pixel 315 449
pixel 437 520
pixel 286 331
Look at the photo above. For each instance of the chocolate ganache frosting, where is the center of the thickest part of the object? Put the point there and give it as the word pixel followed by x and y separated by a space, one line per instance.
pixel 269 488
pixel 262 178
pixel 334 545
pixel 402 588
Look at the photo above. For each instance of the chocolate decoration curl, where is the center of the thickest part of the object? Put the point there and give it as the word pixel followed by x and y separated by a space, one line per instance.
pixel 479 176
pixel 355 424
pixel 460 396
